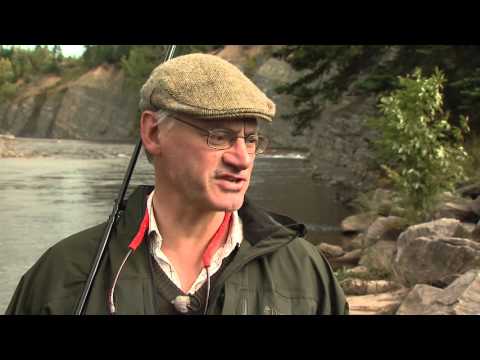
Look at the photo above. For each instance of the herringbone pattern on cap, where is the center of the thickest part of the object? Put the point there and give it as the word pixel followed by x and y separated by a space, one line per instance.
pixel 206 86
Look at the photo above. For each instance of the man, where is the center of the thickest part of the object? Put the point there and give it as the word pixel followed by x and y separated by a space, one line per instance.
pixel 199 247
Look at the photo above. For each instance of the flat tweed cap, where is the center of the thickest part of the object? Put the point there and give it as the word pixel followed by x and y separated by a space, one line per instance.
pixel 206 86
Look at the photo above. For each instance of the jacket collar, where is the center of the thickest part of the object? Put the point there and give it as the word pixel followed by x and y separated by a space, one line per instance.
pixel 260 224
pixel 262 229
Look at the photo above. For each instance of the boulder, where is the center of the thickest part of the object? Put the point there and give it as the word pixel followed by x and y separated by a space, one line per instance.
pixel 358 222
pixel 440 227
pixel 472 190
pixel 331 251
pixel 464 230
pixel 476 233
pixel 357 242
pixel 376 304
pixel 436 260
pixel 462 297
pixel 385 228
pixel 456 210
pixel 475 205
pixel 418 300
pixel 379 257
pixel 349 258
pixel 8 148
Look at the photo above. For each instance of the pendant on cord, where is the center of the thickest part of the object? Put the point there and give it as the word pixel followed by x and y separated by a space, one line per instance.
pixel 186 303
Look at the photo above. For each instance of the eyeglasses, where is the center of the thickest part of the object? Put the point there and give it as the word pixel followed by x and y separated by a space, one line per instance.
pixel 221 139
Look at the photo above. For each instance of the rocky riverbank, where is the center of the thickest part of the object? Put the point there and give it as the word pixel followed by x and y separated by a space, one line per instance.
pixel 387 266
pixel 7 146
pixel 12 147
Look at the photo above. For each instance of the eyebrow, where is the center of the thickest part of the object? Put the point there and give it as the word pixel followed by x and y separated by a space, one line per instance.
pixel 248 132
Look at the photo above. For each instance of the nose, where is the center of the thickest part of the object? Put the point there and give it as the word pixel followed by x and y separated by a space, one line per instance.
pixel 237 155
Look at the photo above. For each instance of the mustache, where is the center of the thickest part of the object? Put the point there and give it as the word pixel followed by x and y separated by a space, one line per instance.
pixel 221 174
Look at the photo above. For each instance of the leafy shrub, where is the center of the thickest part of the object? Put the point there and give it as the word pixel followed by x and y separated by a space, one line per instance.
pixel 421 152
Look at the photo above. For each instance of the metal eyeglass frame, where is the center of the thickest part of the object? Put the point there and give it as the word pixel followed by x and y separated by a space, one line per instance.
pixel 210 132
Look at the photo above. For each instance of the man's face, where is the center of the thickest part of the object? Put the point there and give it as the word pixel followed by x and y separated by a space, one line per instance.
pixel 205 178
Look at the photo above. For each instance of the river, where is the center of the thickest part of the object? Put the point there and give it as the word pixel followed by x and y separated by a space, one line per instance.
pixel 64 186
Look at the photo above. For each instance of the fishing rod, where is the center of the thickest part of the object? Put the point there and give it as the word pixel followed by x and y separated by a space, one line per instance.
pixel 117 207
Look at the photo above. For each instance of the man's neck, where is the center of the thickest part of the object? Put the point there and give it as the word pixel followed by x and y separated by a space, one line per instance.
pixel 183 226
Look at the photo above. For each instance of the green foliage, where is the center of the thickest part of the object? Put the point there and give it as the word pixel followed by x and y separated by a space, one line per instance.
pixel 7 88
pixel 7 91
pixel 22 64
pixel 142 59
pixel 6 71
pixel 54 65
pixel 136 60
pixel 40 59
pixel 28 64
pixel 419 149
pixel 329 71
pixel 96 55
pixel 379 201
pixel 18 66
pixel 341 274
pixel 143 55
pixel 251 65
pixel 140 62
pixel 6 52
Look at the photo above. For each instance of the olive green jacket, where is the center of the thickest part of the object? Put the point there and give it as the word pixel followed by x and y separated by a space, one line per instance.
pixel 275 271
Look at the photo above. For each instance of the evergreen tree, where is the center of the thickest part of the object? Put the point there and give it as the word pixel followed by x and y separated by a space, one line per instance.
pixel 329 71
pixel 56 60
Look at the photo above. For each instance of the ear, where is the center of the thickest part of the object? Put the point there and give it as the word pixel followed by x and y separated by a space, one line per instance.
pixel 149 132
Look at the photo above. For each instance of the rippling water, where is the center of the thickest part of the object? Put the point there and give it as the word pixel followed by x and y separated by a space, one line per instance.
pixel 45 199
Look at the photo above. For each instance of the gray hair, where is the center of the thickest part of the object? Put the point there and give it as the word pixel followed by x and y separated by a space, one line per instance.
pixel 161 116
pixel 145 97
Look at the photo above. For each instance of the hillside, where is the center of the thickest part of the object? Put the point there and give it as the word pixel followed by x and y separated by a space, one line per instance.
pixel 97 105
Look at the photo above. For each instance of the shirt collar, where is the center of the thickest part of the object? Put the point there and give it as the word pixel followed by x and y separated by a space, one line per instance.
pixel 234 238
